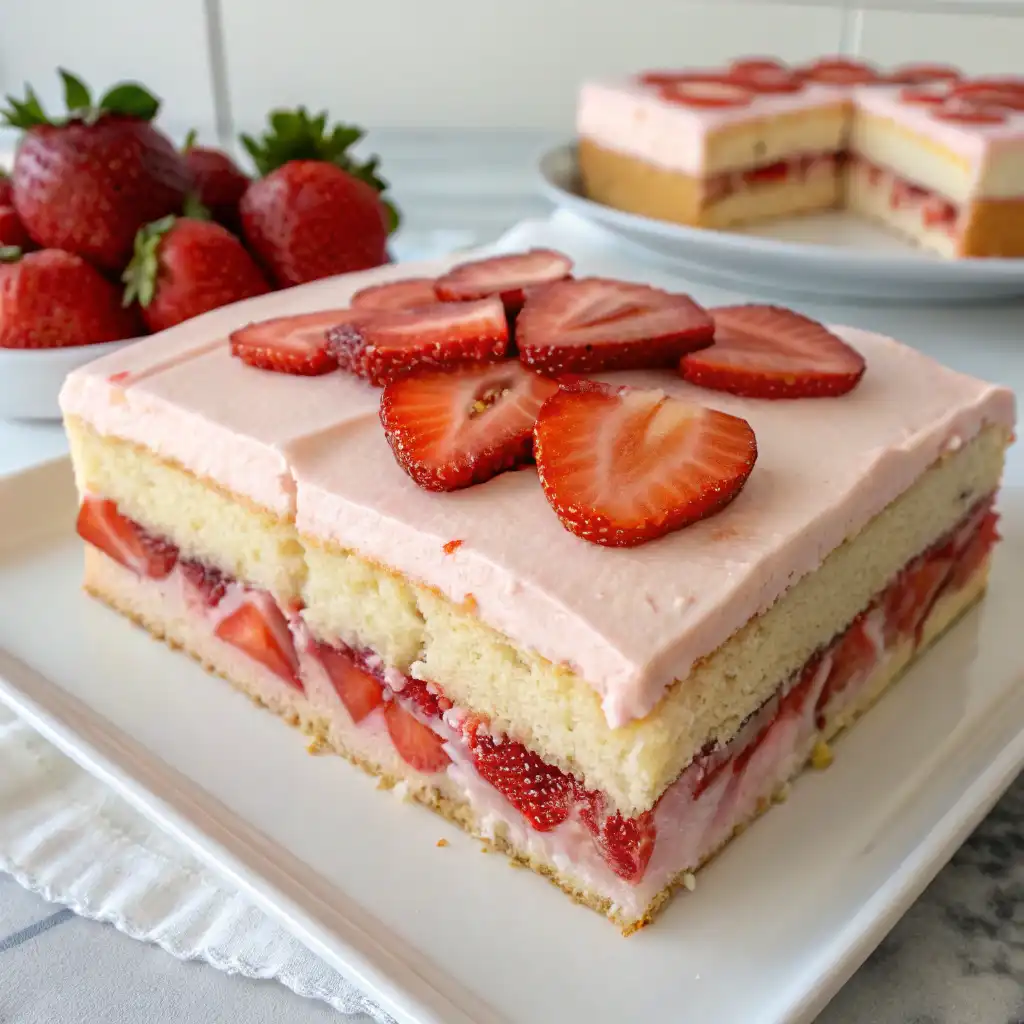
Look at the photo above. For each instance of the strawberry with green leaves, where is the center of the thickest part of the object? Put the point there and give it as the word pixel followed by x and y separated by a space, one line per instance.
pixel 219 183
pixel 315 211
pixel 54 299
pixel 184 267
pixel 87 181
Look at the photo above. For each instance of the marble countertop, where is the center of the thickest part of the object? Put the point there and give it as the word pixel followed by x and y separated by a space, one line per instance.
pixel 957 957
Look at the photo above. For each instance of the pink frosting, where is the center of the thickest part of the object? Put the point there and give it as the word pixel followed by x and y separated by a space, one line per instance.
pixel 629 621
pixel 633 118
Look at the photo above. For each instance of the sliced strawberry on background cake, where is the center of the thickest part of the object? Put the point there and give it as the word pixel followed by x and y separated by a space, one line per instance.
pixel 290 344
pixel 409 293
pixel 593 324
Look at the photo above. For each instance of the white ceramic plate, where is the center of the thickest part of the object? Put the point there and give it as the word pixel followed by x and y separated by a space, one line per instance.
pixel 833 256
pixel 776 925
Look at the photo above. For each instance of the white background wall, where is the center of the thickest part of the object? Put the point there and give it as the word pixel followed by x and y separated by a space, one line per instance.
pixel 456 63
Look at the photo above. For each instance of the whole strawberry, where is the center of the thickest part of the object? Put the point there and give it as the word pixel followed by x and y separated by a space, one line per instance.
pixel 54 299
pixel 184 267
pixel 12 231
pixel 316 211
pixel 88 181
pixel 219 184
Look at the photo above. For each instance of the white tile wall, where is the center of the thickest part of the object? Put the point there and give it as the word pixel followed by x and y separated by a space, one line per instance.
pixel 458 63
pixel 472 63
pixel 160 42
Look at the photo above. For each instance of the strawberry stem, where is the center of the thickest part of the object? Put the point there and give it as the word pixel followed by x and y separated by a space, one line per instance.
pixel 126 99
pixel 140 275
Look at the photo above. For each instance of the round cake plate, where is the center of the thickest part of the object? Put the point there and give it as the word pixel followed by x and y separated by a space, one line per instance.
pixel 833 253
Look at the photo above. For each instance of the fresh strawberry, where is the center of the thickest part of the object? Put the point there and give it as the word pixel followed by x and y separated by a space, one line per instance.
pixel 315 212
pixel 52 299
pixel 290 344
pixel 920 74
pixel 184 267
pixel 12 231
pixel 543 794
pixel 218 181
pixel 621 466
pixel 6 190
pixel 625 843
pixel 595 324
pixel 707 91
pixel 309 220
pixel 417 744
pixel 359 691
pixel 259 629
pixel 209 583
pixel 87 182
pixel 120 538
pixel 840 71
pixel 508 277
pixel 771 352
pixel 427 698
pixel 453 429
pixel 385 344
pixel 409 293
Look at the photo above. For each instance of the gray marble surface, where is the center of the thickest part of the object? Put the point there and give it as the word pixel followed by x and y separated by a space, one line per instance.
pixel 957 957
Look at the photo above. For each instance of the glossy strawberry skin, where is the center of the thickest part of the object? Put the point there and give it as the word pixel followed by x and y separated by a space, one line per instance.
pixel 219 183
pixel 201 266
pixel 88 188
pixel 53 299
pixel 12 231
pixel 309 220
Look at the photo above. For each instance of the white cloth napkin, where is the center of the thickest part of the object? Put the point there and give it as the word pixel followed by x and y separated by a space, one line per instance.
pixel 67 837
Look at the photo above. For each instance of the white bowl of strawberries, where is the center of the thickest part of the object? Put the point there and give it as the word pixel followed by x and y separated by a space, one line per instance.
pixel 109 233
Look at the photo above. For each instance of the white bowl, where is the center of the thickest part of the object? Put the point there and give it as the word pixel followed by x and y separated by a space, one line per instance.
pixel 30 379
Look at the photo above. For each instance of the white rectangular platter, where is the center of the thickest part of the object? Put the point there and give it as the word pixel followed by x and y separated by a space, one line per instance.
pixel 777 923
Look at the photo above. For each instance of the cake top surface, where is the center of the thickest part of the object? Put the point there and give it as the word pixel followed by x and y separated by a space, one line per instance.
pixel 629 621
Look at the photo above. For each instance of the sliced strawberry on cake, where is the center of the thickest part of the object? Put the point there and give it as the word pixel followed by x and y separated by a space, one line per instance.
pixel 290 344
pixel 385 344
pixel 594 324
pixel 410 293
pixel 622 466
pixel 508 277
pixel 771 352
pixel 453 429
pixel 258 628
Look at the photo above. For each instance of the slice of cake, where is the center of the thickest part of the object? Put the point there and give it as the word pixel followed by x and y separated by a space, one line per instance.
pixel 605 666
pixel 935 157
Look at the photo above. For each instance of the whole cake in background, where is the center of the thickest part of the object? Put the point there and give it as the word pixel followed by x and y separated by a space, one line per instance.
pixel 921 149
pixel 596 594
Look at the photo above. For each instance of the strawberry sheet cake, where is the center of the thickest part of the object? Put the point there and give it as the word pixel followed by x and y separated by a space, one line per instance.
pixel 588 569
pixel 926 152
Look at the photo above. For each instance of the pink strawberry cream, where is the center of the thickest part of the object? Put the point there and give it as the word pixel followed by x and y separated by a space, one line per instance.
pixel 629 621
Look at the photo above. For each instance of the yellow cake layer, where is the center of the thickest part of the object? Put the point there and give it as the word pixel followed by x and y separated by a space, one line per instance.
pixel 545 706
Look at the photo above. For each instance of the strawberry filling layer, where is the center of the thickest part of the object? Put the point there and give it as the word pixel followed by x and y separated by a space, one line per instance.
pixel 936 212
pixel 542 810
pixel 795 169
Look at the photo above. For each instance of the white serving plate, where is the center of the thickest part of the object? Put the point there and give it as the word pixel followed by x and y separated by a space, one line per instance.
pixel 833 256
pixel 777 923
